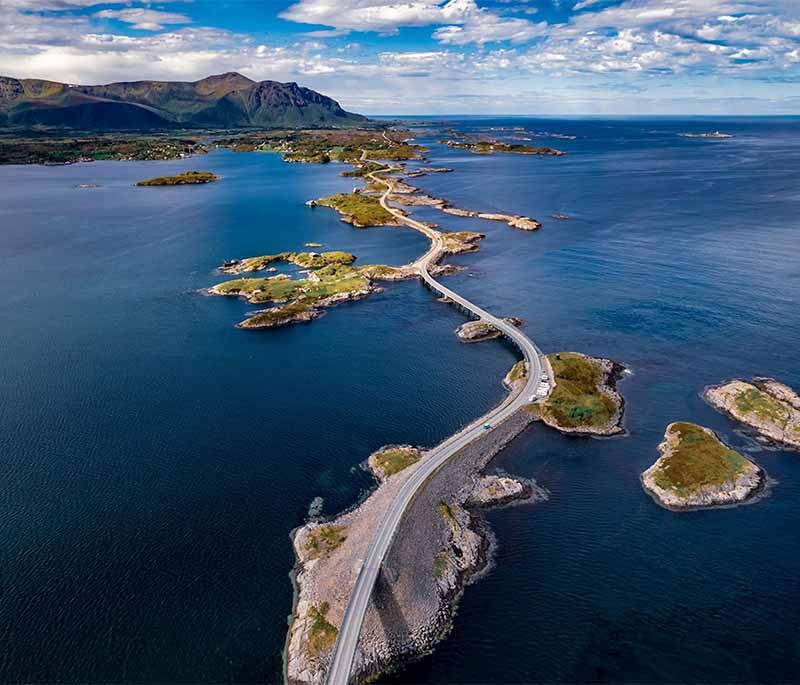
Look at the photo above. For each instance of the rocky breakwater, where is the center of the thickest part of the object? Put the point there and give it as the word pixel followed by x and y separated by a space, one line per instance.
pixel 696 470
pixel 584 400
pixel 768 407
pixel 441 544
pixel 478 331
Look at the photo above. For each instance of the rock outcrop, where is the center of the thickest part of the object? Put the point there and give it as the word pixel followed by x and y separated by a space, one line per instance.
pixel 478 331
pixel 770 408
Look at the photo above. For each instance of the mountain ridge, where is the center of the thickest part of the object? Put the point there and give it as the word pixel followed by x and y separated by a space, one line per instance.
pixel 228 100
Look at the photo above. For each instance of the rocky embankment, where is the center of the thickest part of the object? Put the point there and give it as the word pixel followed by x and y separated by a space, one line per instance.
pixel 696 470
pixel 584 400
pixel 440 545
pixel 770 408
pixel 478 331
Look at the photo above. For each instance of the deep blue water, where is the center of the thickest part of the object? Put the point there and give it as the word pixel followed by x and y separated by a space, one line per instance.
pixel 154 458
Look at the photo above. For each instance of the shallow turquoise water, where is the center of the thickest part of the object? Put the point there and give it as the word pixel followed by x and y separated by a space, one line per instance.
pixel 155 458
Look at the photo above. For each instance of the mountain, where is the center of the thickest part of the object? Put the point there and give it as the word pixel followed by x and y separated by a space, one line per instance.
pixel 225 100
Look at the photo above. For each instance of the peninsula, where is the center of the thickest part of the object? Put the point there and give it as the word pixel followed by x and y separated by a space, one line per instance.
pixel 697 470
pixel 768 407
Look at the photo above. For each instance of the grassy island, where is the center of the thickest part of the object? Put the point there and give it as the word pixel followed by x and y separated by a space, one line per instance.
pixel 697 469
pixel 582 401
pixel 306 260
pixel 331 280
pixel 487 147
pixel 360 210
pixel 186 178
pixel 769 407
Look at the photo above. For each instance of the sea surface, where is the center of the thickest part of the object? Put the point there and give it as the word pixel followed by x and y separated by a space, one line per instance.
pixel 154 459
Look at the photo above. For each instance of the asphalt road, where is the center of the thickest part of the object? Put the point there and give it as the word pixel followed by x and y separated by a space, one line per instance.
pixel 349 631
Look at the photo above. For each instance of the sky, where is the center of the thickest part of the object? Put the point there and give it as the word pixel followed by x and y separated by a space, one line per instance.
pixel 575 57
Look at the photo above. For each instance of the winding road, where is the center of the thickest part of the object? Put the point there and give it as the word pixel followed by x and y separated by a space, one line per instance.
pixel 350 629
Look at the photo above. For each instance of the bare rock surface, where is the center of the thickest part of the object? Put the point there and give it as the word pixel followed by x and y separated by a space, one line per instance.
pixel 478 331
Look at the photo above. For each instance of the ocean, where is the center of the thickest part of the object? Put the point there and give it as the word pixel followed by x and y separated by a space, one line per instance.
pixel 155 458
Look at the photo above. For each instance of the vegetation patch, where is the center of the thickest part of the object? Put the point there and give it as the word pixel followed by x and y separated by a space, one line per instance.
pixel 440 563
pixel 518 372
pixel 696 459
pixel 767 408
pixel 186 178
pixel 321 633
pixel 486 147
pixel 577 400
pixel 391 460
pixel 359 210
pixel 45 148
pixel 322 540
pixel 366 169
pixel 306 260
pixel 399 152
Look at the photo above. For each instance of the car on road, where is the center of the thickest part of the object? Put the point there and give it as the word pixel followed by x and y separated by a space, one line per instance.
pixel 487 426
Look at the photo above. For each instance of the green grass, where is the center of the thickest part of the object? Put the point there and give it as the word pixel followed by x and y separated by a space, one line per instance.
pixel 322 634
pixel 394 460
pixel 364 210
pixel 766 408
pixel 440 563
pixel 517 372
pixel 398 152
pixel 307 260
pixel 310 157
pixel 277 316
pixel 447 513
pixel 576 401
pixel 324 539
pixel 186 178
pixel 365 169
pixel 697 460
pixel 378 271
pixel 336 279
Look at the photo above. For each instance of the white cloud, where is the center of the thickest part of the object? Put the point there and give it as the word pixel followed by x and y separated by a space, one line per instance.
pixel 143 18
pixel 465 22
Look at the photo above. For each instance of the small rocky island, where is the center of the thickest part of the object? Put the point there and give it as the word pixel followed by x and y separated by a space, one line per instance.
pixel 697 470
pixel 187 178
pixel 770 408
pixel 478 331
pixel 584 400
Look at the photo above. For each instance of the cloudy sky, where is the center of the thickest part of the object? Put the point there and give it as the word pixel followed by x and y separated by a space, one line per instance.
pixel 434 56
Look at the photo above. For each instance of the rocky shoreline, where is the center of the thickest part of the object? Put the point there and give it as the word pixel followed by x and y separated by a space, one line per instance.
pixel 439 548
pixel 767 406
pixel 706 477
pixel 610 374
pixel 478 331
